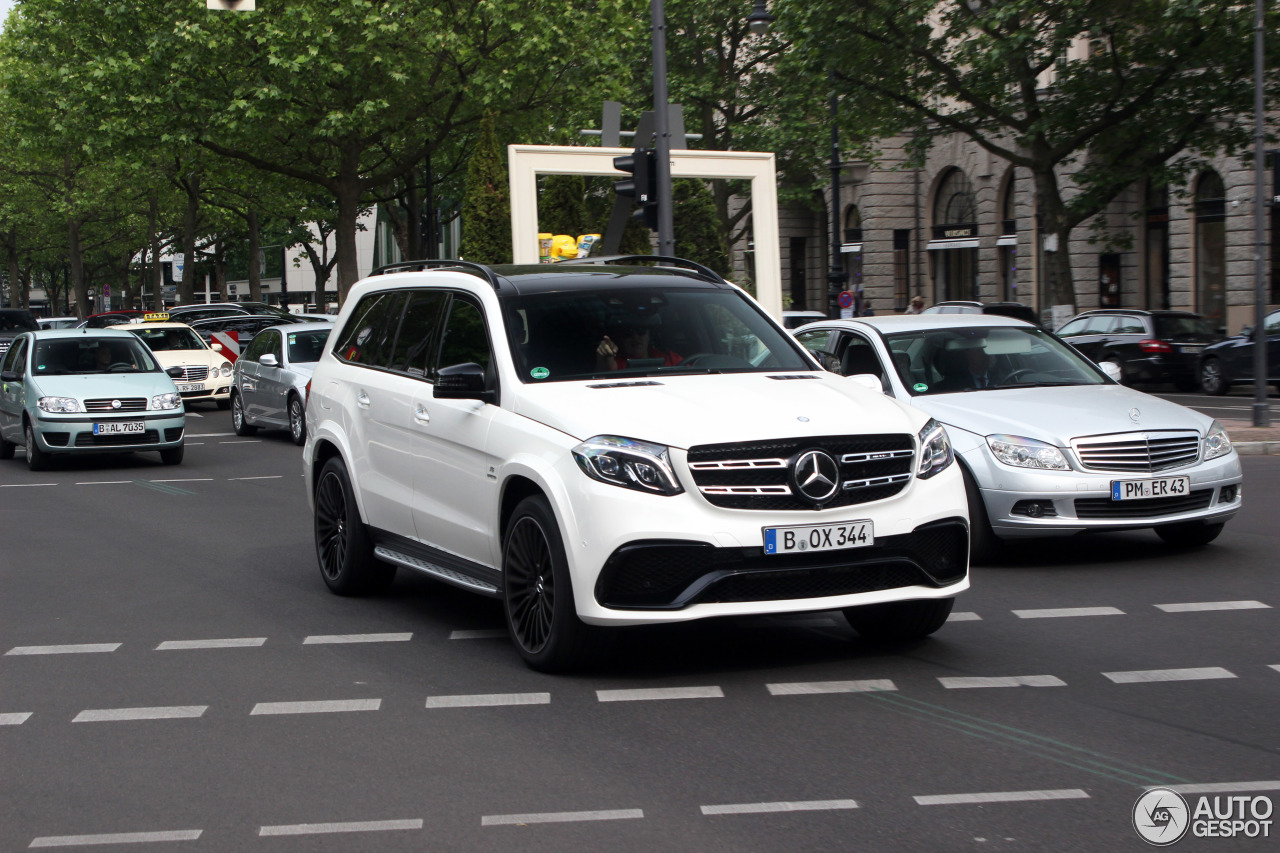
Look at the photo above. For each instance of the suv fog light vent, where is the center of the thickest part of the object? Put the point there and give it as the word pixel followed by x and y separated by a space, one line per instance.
pixel 1034 509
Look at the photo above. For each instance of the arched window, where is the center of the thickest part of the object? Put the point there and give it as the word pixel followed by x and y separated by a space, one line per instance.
pixel 953 251
pixel 1211 248
pixel 954 204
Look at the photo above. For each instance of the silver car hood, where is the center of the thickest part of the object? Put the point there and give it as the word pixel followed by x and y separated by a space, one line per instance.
pixel 1057 415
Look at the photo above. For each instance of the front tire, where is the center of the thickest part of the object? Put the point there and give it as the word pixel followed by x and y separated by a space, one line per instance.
pixel 542 618
pixel 343 546
pixel 900 620
pixel 984 545
pixel 173 455
pixel 7 449
pixel 1189 534
pixel 238 421
pixel 297 421
pixel 37 459
pixel 1213 379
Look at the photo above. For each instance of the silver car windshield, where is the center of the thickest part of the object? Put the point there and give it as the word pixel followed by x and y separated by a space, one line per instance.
pixel 945 361
pixel 593 334
pixel 91 355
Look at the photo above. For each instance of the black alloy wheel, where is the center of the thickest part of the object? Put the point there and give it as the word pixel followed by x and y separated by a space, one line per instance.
pixel 1213 379
pixel 297 421
pixel 343 546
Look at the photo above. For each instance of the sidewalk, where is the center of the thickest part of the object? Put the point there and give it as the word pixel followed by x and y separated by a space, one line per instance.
pixel 1250 440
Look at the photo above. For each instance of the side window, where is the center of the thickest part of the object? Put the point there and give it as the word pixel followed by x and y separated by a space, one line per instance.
pixel 1100 325
pixel 256 349
pixel 15 356
pixel 1272 326
pixel 1128 326
pixel 364 340
pixel 271 345
pixel 1075 327
pixel 419 331
pixel 819 339
pixel 465 336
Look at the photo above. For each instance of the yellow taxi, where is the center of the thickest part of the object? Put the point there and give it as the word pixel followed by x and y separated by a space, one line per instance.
pixel 206 372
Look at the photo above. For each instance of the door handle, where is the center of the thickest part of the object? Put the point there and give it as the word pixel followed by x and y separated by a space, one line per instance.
pixel 362 400
pixel 421 415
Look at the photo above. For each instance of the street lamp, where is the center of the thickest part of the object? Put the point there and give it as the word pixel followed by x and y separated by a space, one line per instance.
pixel 760 19
pixel 662 129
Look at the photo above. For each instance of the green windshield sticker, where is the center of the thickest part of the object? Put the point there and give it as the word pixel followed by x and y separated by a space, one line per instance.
pixel 539 373
pixel 920 388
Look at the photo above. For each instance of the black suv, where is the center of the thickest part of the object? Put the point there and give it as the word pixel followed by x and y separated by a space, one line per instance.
pixel 13 322
pixel 1149 346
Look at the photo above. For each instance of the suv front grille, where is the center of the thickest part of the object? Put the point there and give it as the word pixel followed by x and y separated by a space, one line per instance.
pixel 1141 452
pixel 757 475
pixel 127 404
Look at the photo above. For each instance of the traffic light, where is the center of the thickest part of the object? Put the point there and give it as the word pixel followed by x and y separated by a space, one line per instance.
pixel 643 185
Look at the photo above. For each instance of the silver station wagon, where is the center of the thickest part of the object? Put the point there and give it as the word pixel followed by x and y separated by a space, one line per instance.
pixel 77 391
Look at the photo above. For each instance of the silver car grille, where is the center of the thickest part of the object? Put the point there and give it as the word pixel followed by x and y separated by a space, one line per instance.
pixel 1139 452
pixel 127 404
pixel 194 374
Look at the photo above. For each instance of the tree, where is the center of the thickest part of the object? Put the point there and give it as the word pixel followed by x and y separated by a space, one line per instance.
pixel 486 207
pixel 697 237
pixel 1089 97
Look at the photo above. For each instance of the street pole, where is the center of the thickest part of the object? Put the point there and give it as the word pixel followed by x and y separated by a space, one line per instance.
pixel 1261 413
pixel 662 130
pixel 836 276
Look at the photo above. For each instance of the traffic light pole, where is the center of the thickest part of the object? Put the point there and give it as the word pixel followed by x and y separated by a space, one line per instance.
pixel 662 130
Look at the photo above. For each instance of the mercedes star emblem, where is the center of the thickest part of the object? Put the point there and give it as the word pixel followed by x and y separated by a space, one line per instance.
pixel 1134 415
pixel 816 476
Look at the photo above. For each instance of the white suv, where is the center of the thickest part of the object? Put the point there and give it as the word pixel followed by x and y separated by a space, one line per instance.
pixel 606 443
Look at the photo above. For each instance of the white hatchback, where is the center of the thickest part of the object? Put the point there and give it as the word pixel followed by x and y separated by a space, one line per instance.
pixel 603 445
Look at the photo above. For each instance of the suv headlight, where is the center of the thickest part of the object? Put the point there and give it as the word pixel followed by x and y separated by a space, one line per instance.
pixel 935 450
pixel 1027 453
pixel 1216 442
pixel 166 401
pixel 59 405
pixel 629 463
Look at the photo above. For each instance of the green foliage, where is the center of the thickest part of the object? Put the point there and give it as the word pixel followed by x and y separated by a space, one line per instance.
pixel 694 214
pixel 486 207
pixel 562 205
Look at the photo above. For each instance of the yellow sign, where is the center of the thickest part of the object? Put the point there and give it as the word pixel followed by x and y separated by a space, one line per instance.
pixel 156 317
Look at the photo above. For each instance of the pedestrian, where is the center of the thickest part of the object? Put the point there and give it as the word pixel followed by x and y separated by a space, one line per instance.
pixel 867 310
pixel 916 306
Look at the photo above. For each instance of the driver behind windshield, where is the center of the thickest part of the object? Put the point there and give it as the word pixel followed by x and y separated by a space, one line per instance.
pixel 104 357
pixel 628 339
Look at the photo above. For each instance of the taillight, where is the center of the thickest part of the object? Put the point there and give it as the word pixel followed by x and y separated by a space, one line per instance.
pixel 1154 346
pixel 308 397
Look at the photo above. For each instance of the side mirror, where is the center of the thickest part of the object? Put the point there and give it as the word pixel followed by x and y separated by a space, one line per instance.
pixel 9 376
pixel 175 372
pixel 216 347
pixel 1112 370
pixel 268 360
pixel 463 382
pixel 867 380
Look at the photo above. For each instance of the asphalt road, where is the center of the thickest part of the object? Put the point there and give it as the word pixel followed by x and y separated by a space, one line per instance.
pixel 1235 406
pixel 175 675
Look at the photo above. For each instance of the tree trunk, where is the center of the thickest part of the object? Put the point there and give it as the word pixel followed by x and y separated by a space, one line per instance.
pixel 186 289
pixel 78 282
pixel 348 197
pixel 255 263
pixel 220 270
pixel 1055 233
pixel 15 274
pixel 157 271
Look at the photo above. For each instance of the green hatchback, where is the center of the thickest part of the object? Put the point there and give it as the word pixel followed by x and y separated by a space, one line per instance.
pixel 65 391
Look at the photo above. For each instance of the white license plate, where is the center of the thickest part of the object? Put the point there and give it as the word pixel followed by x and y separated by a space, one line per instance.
pixel 183 389
pixel 1156 487
pixel 818 537
pixel 1192 349
pixel 119 428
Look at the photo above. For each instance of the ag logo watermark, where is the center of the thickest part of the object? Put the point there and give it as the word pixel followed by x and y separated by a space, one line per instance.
pixel 1162 816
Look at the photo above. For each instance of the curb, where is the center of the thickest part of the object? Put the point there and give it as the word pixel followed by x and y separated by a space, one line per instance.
pixel 1257 448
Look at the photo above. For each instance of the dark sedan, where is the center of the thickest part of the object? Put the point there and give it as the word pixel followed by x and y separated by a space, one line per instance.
pixel 1230 362
pixel 1148 346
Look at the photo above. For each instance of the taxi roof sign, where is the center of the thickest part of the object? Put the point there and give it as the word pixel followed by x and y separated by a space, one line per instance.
pixel 156 317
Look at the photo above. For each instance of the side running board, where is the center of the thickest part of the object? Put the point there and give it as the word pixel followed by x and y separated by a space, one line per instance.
pixel 447 575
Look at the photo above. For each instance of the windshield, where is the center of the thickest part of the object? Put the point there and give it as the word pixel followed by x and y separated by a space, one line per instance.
pixel 17 321
pixel 306 347
pixel 91 355
pixel 586 334
pixel 943 361
pixel 170 338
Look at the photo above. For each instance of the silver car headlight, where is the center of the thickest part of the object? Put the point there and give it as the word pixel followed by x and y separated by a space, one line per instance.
pixel 59 405
pixel 166 401
pixel 226 368
pixel 935 450
pixel 629 463
pixel 1027 453
pixel 1216 442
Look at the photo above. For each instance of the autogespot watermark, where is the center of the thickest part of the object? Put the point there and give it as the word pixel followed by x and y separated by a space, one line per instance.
pixel 1162 816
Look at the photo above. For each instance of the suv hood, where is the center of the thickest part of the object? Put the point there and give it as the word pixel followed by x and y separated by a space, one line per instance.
pixel 95 385
pixel 685 411
pixel 1058 415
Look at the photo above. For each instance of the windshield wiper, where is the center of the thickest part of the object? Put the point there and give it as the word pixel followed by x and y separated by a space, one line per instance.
pixel 1034 385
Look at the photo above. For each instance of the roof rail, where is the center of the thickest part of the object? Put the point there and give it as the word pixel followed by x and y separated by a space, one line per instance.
pixel 667 260
pixel 465 266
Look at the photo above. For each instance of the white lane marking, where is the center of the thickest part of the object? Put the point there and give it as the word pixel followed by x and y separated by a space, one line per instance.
pixel 559 817
pixel 187 480
pixel 116 838
pixel 24 485
pixel 765 808
pixel 964 617
pixel 269 477
pixel 1197 606
pixel 75 649
pixel 482 634
pixel 105 483
pixel 1053 613
pixel 954 683
pixel 208 434
pixel 487 700
pixel 646 694
pixel 326 828
pixel 232 643
pixel 1225 787
pixel 194 415
pixel 319 639
pixel 243 441
pixel 1192 674
pixel 320 707
pixel 804 688
pixel 194 443
pixel 1275 666
pixel 15 719
pixel 112 715
pixel 1001 797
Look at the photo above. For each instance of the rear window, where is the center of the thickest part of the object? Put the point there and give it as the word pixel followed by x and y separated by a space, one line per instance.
pixel 1189 328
